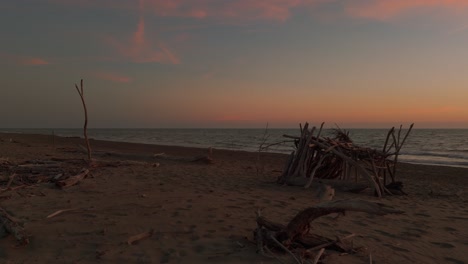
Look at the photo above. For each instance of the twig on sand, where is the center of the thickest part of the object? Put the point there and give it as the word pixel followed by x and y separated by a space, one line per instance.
pixel 133 239
pixel 285 248
pixel 61 212
pixel 319 254
pixel 331 243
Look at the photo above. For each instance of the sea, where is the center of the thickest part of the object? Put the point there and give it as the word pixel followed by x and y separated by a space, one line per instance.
pixel 445 147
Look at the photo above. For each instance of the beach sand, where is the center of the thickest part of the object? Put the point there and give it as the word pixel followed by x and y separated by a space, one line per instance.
pixel 205 213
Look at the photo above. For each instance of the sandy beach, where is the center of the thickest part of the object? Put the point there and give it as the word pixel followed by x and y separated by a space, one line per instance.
pixel 205 213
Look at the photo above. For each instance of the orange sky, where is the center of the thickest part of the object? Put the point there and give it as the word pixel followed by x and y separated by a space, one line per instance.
pixel 235 63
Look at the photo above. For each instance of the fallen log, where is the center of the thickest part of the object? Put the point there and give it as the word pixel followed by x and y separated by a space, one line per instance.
pixel 72 180
pixel 12 226
pixel 295 235
pixel 136 156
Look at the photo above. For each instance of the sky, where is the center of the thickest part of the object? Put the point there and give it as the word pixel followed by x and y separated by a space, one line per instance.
pixel 234 63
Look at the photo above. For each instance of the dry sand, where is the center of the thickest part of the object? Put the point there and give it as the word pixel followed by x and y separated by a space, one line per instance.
pixel 206 213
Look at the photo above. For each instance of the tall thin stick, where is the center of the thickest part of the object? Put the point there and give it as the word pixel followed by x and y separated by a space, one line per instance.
pixel 85 127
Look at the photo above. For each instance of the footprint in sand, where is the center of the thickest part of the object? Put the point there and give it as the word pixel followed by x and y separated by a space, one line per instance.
pixel 457 217
pixel 422 214
pixel 199 248
pixel 386 233
pixel 413 232
pixel 397 248
pixel 194 238
pixel 456 261
pixel 166 257
pixel 450 229
pixel 359 222
pixel 443 244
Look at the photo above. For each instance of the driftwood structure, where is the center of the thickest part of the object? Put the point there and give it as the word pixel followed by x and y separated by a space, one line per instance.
pixel 295 239
pixel 338 158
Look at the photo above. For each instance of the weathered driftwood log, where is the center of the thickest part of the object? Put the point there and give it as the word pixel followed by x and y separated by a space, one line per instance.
pixel 12 226
pixel 72 180
pixel 295 235
pixel 161 156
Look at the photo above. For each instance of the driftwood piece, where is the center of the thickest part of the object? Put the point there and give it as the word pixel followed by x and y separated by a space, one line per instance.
pixel 13 226
pixel 70 181
pixel 295 234
pixel 161 156
pixel 61 212
pixel 317 257
pixel 133 239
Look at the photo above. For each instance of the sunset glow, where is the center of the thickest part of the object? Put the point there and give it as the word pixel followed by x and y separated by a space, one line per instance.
pixel 236 63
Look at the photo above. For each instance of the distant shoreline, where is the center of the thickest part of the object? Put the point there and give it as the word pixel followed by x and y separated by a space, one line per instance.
pixel 202 149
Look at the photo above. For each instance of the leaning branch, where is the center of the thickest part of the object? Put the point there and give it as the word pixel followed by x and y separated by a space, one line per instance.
pixel 85 127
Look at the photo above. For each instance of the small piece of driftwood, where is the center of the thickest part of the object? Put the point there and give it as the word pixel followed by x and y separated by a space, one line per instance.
pixel 133 239
pixel 61 212
pixel 70 181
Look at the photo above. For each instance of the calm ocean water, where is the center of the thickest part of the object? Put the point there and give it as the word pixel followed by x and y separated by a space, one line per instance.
pixel 447 147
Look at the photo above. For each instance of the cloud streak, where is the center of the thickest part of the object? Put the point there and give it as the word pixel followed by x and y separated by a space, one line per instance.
pixel 270 10
pixel 24 60
pixel 276 10
pixel 387 9
pixel 139 49
pixel 112 77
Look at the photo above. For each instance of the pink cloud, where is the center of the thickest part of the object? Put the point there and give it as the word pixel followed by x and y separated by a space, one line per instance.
pixel 113 77
pixel 386 9
pixel 139 50
pixel 24 60
pixel 277 10
pixel 271 10
pixel 33 61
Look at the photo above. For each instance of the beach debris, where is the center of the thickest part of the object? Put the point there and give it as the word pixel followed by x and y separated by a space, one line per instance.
pixel 208 159
pixel 338 158
pixel 295 237
pixel 61 212
pixel 133 239
pixel 13 226
pixel 72 180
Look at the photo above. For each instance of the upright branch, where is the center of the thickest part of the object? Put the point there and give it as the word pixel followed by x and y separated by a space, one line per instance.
pixel 85 127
